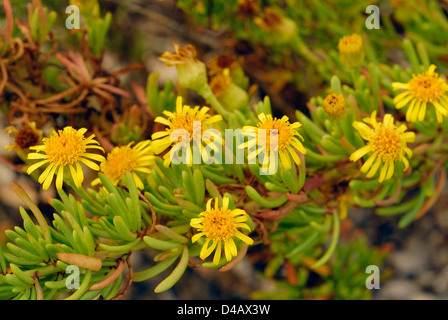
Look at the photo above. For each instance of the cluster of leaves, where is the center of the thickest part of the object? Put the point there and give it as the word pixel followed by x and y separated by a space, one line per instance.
pixel 295 214
pixel 42 83
pixel 285 42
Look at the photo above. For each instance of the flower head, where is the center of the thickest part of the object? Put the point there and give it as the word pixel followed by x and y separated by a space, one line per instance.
pixel 220 226
pixel 423 89
pixel 287 139
pixel 351 50
pixel 190 123
pixel 387 144
pixel 350 44
pixel 138 158
pixel 66 148
pixel 192 73
pixel 334 105
pixel 24 138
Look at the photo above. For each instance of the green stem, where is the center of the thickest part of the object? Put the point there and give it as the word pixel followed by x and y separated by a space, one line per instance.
pixel 33 207
pixel 82 288
pixel 207 93
pixel 333 243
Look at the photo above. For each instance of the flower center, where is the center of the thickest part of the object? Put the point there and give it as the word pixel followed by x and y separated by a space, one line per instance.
pixel 118 162
pixel 218 224
pixel 187 122
pixel 387 142
pixel 283 133
pixel 426 87
pixel 26 137
pixel 65 147
pixel 351 44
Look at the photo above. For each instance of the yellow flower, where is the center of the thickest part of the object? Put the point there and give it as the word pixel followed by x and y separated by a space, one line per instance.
pixel 24 138
pixel 387 144
pixel 65 148
pixel 127 158
pixel 334 105
pixel 220 226
pixel 287 142
pixel 351 50
pixel 186 119
pixel 427 87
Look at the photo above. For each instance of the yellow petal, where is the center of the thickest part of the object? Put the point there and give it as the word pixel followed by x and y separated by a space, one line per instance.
pixel 384 171
pixel 206 251
pixel 284 157
pixel 49 178
pixel 422 112
pixel 401 96
pixel 374 168
pixel 403 102
pixel 390 171
pixel 60 178
pixel 196 237
pixel 243 237
pixel 36 166
pixel 227 250
pixel 225 203
pixel 366 166
pixel 363 129
pixel 358 154
pixel 92 165
pixel 217 256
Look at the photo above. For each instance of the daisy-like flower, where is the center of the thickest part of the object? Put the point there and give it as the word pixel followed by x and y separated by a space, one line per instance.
pixel 66 148
pixel 423 89
pixel 193 121
pixel 138 158
pixel 387 144
pixel 287 140
pixel 24 138
pixel 220 227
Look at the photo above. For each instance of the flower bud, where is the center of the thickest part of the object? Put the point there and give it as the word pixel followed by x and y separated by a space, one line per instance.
pixel 192 73
pixel 351 50
pixel 228 93
pixel 335 106
pixel 283 30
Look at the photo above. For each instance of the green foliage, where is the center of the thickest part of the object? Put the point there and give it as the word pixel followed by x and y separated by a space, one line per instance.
pixel 295 214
